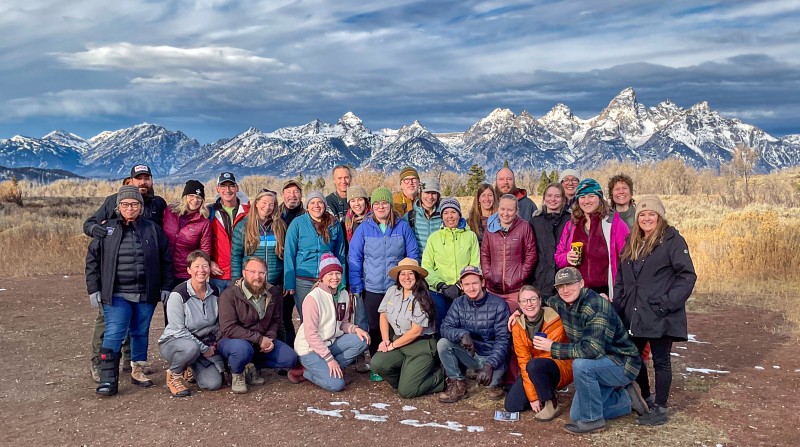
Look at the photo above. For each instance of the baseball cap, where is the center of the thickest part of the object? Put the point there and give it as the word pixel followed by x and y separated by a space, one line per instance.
pixel 470 270
pixel 226 177
pixel 568 275
pixel 140 169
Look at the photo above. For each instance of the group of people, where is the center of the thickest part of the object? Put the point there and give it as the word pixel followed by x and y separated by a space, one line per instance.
pixel 523 300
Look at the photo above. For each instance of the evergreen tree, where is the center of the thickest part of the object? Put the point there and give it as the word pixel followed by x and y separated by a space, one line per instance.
pixel 544 180
pixel 319 183
pixel 475 177
pixel 554 176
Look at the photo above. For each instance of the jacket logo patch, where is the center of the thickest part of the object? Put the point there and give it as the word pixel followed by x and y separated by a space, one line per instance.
pixel 109 231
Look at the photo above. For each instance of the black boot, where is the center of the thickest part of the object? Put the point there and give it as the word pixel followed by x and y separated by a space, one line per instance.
pixel 109 372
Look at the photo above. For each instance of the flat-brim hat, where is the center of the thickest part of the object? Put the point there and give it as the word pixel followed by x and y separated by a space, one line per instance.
pixel 407 264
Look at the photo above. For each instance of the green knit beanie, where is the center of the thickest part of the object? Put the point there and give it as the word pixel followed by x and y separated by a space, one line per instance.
pixel 382 194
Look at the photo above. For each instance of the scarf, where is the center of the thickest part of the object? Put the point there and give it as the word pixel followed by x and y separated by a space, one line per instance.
pixel 534 325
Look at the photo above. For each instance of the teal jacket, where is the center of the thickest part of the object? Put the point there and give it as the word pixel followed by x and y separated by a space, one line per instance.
pixel 422 226
pixel 265 251
pixel 304 247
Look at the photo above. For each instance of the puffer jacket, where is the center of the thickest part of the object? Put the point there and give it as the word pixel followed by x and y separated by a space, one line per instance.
pixel 615 231
pixel 265 251
pixel 507 258
pixel 523 348
pixel 304 248
pixel 222 232
pixel 485 320
pixel 101 259
pixel 373 253
pixel 547 229
pixel 194 234
pixel 650 294
pixel 423 226
pixel 448 251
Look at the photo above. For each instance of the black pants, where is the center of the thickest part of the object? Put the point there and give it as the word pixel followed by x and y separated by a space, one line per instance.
pixel 544 375
pixel 287 333
pixel 662 364
pixel 372 301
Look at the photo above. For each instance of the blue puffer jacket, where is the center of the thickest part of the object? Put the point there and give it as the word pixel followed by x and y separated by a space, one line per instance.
pixel 422 226
pixel 304 247
pixel 485 320
pixel 373 253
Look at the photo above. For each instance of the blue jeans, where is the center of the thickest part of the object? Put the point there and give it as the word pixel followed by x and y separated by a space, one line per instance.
pixel 123 316
pixel 221 284
pixel 238 352
pixel 360 318
pixel 344 349
pixel 442 304
pixel 453 356
pixel 599 390
pixel 301 289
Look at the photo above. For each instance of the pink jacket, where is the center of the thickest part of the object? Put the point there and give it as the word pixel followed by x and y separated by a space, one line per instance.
pixel 195 234
pixel 615 231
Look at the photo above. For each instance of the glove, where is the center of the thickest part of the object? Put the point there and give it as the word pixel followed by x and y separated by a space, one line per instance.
pixel 466 343
pixel 164 296
pixel 485 375
pixel 452 292
pixel 94 300
pixel 98 231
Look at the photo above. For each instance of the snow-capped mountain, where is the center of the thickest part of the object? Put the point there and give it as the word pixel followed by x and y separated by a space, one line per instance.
pixel 625 130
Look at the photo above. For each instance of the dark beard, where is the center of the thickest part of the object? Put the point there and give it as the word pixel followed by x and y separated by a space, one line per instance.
pixel 256 291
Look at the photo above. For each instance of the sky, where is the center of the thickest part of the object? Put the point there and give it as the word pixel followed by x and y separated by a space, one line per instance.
pixel 215 68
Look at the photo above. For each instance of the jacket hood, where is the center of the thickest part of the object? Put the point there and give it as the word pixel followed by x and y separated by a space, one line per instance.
pixel 493 224
pixel 550 315
pixel 462 224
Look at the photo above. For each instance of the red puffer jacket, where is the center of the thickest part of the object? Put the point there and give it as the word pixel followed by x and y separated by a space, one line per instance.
pixel 507 258
pixel 222 233
pixel 193 234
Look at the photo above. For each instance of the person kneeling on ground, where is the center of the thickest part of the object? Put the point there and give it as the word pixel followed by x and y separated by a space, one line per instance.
pixel 249 317
pixel 406 356
pixel 474 335
pixel 605 361
pixel 326 341
pixel 189 341
pixel 541 375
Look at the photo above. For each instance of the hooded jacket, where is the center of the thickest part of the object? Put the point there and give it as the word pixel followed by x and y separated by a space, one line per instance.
pixel 547 229
pixel 222 232
pixel 448 251
pixel 507 258
pixel 485 320
pixel 304 247
pixel 194 234
pixel 650 295
pixel 373 253
pixel 422 225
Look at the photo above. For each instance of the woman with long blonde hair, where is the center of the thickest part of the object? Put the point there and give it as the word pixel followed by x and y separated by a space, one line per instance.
pixel 484 204
pixel 187 228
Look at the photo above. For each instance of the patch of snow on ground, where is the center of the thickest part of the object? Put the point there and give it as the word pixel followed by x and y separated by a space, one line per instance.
pixel 693 339
pixel 369 417
pixel 450 425
pixel 760 368
pixel 338 403
pixel 674 354
pixel 409 408
pixel 332 413
pixel 515 434
pixel 776 367
pixel 707 371
pixel 681 347
pixel 380 406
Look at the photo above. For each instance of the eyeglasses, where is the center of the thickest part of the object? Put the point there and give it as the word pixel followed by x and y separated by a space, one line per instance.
pixel 256 272
pixel 131 205
pixel 528 302
pixel 570 180
pixel 269 191
pixel 409 181
pixel 380 204
pixel 228 186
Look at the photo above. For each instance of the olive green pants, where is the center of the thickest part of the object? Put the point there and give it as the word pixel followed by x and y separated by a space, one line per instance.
pixel 414 369
pixel 97 339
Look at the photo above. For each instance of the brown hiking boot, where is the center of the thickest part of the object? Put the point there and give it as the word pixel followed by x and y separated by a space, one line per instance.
pixel 188 376
pixel 252 376
pixel 138 377
pixel 496 393
pixel 550 411
pixel 238 384
pixel 456 390
pixel 176 386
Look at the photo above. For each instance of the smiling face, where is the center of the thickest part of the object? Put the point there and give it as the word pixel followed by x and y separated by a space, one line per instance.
pixel 570 292
pixel 199 270
pixel 342 178
pixel 589 203
pixel 409 187
pixel 265 206
pixel 648 221
pixel 407 279
pixel 129 209
pixel 450 218
pixel 529 303
pixel 332 279
pixel 193 202
pixel 553 199
pixel 227 191
pixel 255 275
pixel 316 208
pixel 570 184
pixel 472 285
pixel 358 205
pixel 486 199
pixel 381 209
pixel 621 194
pixel 291 196
pixel 144 182
pixel 504 181
pixel 429 199
pixel 507 211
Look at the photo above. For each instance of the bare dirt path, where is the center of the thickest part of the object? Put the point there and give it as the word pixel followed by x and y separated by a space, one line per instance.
pixel 47 396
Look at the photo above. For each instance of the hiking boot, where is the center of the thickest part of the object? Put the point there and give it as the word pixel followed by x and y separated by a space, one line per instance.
pixel 637 402
pixel 138 377
pixel 362 363
pixel 295 375
pixel 176 386
pixel 651 401
pixel 496 393
pixel 94 369
pixel 580 427
pixel 126 359
pixel 456 390
pixel 109 373
pixel 252 376
pixel 550 411
pixel 657 416
pixel 188 376
pixel 238 384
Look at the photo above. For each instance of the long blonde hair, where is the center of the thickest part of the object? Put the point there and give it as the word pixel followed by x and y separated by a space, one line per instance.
pixel 252 233
pixel 640 246
pixel 182 208
pixel 474 219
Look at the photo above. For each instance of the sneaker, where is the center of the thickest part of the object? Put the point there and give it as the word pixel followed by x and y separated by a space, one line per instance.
pixel 188 376
pixel 295 375
pixel 238 384
pixel 375 378
pixel 496 393
pixel 550 411
pixel 138 377
pixel 176 385
pixel 580 427
pixel 637 402
pixel 94 369
pixel 252 376
pixel 657 416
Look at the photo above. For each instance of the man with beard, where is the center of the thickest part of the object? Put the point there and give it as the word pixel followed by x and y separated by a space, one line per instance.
pixel 249 318
pixel 152 209
pixel 292 206
pixel 505 184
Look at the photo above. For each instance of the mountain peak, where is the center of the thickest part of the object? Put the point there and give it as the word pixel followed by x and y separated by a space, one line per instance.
pixel 499 114
pixel 557 113
pixel 350 120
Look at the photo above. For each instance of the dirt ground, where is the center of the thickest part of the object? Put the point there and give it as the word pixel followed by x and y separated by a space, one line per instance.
pixel 47 396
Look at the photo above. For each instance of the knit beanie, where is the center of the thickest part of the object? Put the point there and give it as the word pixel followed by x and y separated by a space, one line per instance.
pixel 314 195
pixel 573 172
pixel 588 186
pixel 450 202
pixel 355 192
pixel 381 194
pixel 129 192
pixel 329 263
pixel 408 171
pixel 650 202
pixel 194 187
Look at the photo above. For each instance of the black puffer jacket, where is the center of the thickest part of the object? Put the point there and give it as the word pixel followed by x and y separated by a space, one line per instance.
pixel 547 227
pixel 485 320
pixel 153 209
pixel 130 276
pixel 103 256
pixel 650 295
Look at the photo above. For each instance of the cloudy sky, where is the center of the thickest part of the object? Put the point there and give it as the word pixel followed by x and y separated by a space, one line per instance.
pixel 214 68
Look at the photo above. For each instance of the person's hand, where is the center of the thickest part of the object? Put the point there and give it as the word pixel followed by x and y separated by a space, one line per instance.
pixel 334 369
pixel 512 320
pixel 542 343
pixel 210 352
pixel 94 300
pixel 573 258
pixel 215 270
pixel 485 375
pixel 452 292
pixel 164 296
pixel 362 334
pixel 536 406
pixel 266 344
pixel 288 292
pixel 468 344
pixel 384 346
pixel 99 231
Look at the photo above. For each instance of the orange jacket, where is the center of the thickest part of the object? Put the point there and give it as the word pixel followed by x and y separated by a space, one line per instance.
pixel 523 347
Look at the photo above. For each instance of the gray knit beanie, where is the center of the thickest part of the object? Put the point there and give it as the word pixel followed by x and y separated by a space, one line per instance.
pixel 314 195
pixel 129 192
